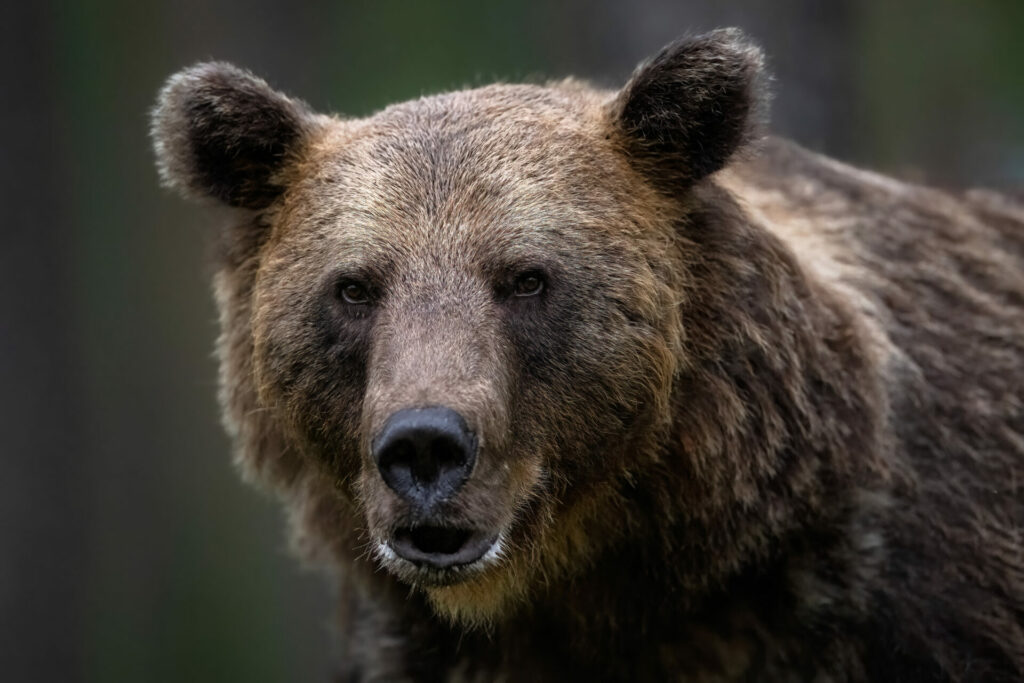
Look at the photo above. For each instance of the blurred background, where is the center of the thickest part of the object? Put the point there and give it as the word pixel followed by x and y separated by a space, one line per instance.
pixel 129 549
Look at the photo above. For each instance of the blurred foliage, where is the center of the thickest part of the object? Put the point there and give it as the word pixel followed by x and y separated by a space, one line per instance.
pixel 942 89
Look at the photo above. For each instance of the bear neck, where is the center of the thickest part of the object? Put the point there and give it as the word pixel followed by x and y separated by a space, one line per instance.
pixel 779 406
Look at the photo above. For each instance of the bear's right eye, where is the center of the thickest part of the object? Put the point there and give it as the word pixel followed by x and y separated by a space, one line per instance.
pixel 530 283
pixel 353 293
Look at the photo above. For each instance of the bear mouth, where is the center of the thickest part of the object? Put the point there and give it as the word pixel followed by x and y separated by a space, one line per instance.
pixel 441 547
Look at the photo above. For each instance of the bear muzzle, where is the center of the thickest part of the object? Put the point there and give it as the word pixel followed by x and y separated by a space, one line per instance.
pixel 425 455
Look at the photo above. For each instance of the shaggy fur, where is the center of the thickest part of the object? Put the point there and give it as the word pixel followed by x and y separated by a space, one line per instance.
pixel 764 421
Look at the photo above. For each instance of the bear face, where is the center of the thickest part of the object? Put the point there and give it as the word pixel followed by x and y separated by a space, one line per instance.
pixel 503 260
pixel 426 259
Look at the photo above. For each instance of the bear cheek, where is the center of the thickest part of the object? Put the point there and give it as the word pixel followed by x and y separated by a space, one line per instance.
pixel 597 360
pixel 311 375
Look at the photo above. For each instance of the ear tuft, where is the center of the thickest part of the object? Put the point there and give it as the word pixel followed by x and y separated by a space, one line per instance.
pixel 221 132
pixel 685 112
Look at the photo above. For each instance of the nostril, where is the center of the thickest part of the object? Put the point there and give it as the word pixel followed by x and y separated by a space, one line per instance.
pixel 398 459
pixel 445 452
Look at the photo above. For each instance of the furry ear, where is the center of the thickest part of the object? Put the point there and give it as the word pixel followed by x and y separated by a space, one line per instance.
pixel 687 110
pixel 221 132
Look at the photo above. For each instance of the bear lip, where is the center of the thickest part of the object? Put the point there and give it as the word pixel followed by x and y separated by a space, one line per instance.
pixel 441 547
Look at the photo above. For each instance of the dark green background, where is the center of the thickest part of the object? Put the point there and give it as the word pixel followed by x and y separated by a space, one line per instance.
pixel 129 550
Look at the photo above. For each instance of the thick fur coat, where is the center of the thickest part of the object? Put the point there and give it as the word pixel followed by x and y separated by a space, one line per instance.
pixel 738 411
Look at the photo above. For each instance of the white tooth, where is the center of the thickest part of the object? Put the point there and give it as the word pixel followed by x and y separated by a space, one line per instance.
pixel 494 552
pixel 385 551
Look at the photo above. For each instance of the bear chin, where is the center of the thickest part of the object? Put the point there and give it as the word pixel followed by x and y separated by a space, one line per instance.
pixel 478 599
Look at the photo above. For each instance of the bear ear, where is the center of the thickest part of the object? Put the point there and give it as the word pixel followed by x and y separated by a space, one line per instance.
pixel 221 132
pixel 688 109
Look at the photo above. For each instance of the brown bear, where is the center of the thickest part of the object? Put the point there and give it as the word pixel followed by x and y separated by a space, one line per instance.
pixel 570 384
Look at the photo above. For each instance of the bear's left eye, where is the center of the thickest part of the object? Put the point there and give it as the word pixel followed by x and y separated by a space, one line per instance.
pixel 530 283
pixel 353 293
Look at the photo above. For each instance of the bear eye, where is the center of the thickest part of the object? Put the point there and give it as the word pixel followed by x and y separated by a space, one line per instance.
pixel 353 293
pixel 528 284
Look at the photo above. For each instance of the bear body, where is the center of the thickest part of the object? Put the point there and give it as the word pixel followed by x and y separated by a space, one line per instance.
pixel 572 384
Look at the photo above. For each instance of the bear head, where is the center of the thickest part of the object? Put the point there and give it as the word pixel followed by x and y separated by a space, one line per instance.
pixel 453 331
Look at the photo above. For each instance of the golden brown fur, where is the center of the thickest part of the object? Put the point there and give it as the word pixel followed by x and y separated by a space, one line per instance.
pixel 765 422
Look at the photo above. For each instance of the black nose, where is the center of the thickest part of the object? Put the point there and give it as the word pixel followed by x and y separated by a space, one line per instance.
pixel 425 454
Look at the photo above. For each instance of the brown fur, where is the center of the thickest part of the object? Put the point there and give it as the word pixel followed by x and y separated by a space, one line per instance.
pixel 763 423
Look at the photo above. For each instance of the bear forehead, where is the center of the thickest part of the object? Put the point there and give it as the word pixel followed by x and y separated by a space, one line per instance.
pixel 564 105
pixel 519 158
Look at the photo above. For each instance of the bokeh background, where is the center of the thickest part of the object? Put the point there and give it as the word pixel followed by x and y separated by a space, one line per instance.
pixel 129 549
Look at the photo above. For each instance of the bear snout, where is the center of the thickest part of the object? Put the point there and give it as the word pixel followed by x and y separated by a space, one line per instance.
pixel 425 455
